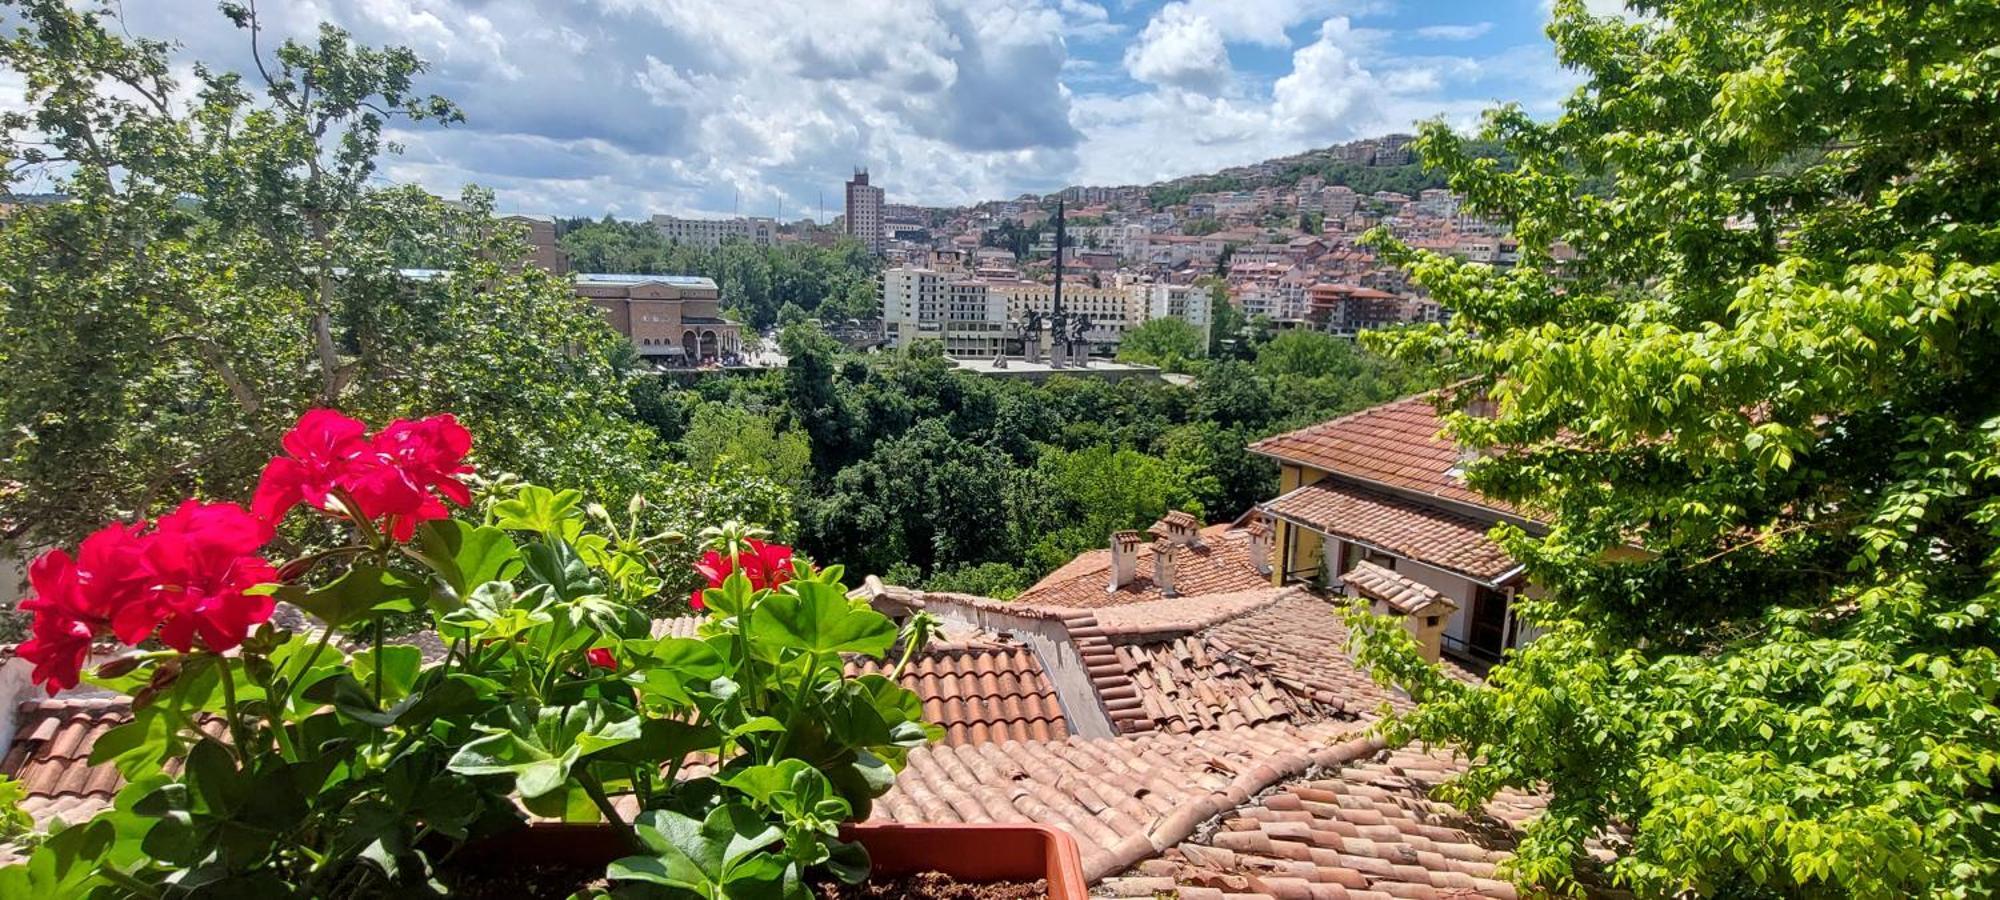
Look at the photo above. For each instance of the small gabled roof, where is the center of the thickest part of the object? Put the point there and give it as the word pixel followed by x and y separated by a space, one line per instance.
pixel 1399 526
pixel 1404 595
pixel 1396 444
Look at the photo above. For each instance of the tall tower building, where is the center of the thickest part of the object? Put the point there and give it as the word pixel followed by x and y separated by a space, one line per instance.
pixel 864 211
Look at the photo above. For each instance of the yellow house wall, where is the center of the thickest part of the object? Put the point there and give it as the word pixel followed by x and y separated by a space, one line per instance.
pixel 1307 552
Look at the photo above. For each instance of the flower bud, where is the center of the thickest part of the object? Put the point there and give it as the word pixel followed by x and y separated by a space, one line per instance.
pixel 164 676
pixel 297 569
pixel 119 667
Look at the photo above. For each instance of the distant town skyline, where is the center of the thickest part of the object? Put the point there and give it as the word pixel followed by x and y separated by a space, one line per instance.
pixel 637 107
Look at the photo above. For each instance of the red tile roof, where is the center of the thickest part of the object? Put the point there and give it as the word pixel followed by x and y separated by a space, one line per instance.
pixel 1300 641
pixel 1369 830
pixel 1218 563
pixel 1403 594
pixel 978 695
pixel 50 756
pixel 1396 444
pixel 1124 799
pixel 1401 526
pixel 1186 684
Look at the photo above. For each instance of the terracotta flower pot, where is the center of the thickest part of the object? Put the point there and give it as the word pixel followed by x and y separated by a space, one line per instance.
pixel 969 853
pixel 977 853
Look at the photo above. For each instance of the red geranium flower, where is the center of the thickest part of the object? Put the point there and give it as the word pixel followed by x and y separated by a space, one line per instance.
pixel 324 447
pixel 766 565
pixel 390 476
pixel 202 557
pixel 184 575
pixel 601 657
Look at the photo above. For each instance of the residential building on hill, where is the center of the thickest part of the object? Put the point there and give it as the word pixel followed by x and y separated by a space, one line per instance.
pixel 1380 486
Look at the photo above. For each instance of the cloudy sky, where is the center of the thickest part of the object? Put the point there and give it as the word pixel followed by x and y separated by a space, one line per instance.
pixel 582 107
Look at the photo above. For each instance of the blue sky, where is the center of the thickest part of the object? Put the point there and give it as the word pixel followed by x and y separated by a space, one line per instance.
pixel 583 107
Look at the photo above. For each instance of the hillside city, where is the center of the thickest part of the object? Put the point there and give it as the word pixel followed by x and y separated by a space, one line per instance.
pixel 1594 493
pixel 1277 242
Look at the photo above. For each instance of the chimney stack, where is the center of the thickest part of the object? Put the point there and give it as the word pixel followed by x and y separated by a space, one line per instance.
pixel 1164 565
pixel 1260 545
pixel 1177 527
pixel 1124 559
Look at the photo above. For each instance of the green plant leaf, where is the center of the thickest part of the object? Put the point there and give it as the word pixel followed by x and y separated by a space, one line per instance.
pixel 464 555
pixel 362 593
pixel 554 514
pixel 539 746
pixel 495 611
pixel 700 856
pixel 820 618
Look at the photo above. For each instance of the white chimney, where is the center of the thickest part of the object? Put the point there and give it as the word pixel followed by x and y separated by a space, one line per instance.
pixel 1164 565
pixel 1260 545
pixel 1124 559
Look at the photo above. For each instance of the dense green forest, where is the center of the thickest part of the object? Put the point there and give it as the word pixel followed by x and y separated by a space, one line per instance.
pixel 836 282
pixel 903 466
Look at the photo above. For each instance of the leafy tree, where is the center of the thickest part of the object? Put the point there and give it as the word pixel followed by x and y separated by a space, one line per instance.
pixel 224 263
pixel 998 580
pixel 1758 413
pixel 1172 344
pixel 1227 331
pixel 721 434
pixel 1073 500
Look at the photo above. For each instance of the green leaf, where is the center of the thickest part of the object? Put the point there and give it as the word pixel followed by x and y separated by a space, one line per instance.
pixel 820 618
pixel 704 856
pixel 362 593
pixel 553 514
pixel 539 746
pixel 557 565
pixel 494 611
pixel 465 556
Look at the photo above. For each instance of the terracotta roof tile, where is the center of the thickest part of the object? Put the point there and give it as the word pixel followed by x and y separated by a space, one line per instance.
pixel 50 755
pixel 1403 595
pixel 1187 685
pixel 1404 527
pixel 1218 563
pixel 1368 830
pixel 1396 444
pixel 981 694
pixel 1124 799
pixel 1300 641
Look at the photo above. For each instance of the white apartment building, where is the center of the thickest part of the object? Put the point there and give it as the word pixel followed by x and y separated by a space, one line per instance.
pixel 948 307
pixel 713 233
pixel 1190 303
pixel 974 318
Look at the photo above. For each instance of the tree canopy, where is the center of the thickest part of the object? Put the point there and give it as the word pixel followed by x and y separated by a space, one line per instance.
pixel 225 260
pixel 1758 415
pixel 1171 344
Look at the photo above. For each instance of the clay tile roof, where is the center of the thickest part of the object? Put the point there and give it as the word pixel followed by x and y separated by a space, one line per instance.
pixel 1188 684
pixel 1218 563
pixel 1301 642
pixel 1403 595
pixel 1396 444
pixel 1124 799
pixel 981 694
pixel 1368 830
pixel 50 756
pixel 1401 526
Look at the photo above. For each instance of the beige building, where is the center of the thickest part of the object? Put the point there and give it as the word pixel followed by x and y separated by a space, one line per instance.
pixel 670 318
pixel 714 232
pixel 864 212
pixel 543 251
